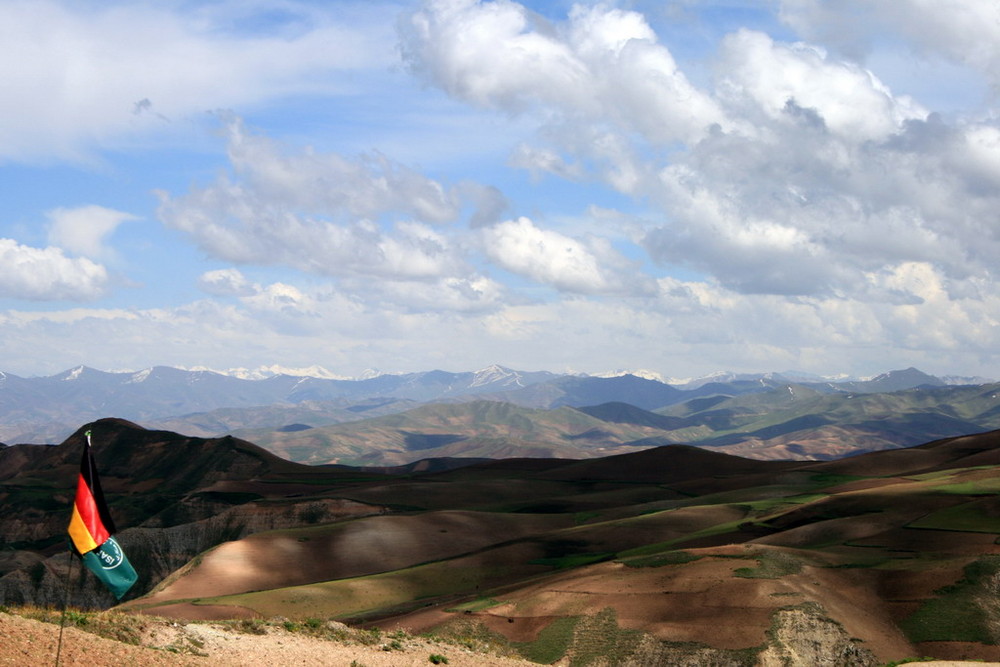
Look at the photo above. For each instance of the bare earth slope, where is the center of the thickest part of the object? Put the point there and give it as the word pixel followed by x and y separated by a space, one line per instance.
pixel 30 642
pixel 669 556
pixel 654 557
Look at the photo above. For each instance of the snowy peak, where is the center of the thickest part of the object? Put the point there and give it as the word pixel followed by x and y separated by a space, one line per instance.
pixel 643 373
pixel 274 370
pixel 141 376
pixel 496 375
pixel 73 374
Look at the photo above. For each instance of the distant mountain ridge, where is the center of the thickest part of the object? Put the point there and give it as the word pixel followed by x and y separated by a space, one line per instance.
pixel 47 409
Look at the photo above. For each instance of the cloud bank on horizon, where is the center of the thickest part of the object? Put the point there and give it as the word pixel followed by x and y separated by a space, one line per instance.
pixel 680 186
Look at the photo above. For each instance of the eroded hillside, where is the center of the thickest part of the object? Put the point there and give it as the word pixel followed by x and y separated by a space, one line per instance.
pixel 669 554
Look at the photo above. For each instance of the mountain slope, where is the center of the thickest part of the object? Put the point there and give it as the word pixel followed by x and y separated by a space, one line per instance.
pixel 660 557
pixel 799 420
pixel 663 556
pixel 490 429
pixel 171 496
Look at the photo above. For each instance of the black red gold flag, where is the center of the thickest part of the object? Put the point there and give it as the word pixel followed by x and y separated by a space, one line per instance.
pixel 91 529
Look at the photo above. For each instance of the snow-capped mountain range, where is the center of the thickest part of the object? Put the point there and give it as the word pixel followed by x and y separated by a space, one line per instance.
pixel 45 409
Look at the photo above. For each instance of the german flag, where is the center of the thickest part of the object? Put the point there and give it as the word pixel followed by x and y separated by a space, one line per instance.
pixel 91 529
pixel 91 524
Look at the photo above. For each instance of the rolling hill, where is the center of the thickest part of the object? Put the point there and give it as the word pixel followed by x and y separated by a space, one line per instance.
pixel 490 429
pixel 790 422
pixel 661 553
pixel 668 555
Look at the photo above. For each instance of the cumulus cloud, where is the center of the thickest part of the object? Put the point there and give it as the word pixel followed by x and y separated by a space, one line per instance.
pixel 366 186
pixel 47 274
pixel 816 213
pixel 320 213
pixel 604 63
pixel 798 175
pixel 475 294
pixel 804 211
pixel 227 282
pixel 84 230
pixel 814 174
pixel 552 258
pixel 845 98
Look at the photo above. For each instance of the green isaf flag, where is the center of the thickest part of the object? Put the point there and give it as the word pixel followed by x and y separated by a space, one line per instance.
pixel 109 563
pixel 91 528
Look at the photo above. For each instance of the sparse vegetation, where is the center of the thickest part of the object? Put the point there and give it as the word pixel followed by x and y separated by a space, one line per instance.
pixel 964 611
pixel 971 517
pixel 393 645
pixel 552 642
pixel 660 560
pixel 473 635
pixel 253 626
pixel 479 604
pixel 186 638
pixel 120 627
pixel 599 638
pixel 771 564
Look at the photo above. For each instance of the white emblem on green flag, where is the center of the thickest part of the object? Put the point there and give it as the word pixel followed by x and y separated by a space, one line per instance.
pixel 109 563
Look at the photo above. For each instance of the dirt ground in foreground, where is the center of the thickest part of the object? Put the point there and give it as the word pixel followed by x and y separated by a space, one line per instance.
pixel 26 643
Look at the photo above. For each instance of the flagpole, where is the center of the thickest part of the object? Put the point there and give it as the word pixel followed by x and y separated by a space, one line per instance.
pixel 69 582
pixel 62 617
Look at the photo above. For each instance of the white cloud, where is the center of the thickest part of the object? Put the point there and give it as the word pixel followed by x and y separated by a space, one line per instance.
pixel 227 282
pixel 84 230
pixel 965 31
pixel 800 173
pixel 538 160
pixel 320 213
pixel 468 295
pixel 848 100
pixel 829 219
pixel 551 258
pixel 685 324
pixel 74 73
pixel 46 274
pixel 603 64
pixel 285 308
pixel 795 208
pixel 364 187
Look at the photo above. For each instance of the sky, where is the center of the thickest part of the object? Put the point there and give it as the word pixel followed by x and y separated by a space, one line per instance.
pixel 679 186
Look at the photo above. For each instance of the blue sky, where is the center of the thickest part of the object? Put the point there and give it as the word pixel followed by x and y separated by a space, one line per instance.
pixel 679 187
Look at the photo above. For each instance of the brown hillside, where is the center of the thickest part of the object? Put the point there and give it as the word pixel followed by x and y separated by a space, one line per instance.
pixel 671 463
pixel 295 557
pixel 670 555
pixel 965 451
pixel 664 553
